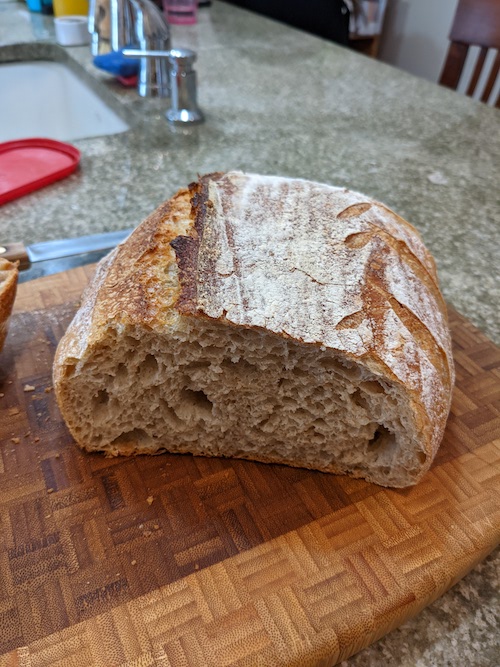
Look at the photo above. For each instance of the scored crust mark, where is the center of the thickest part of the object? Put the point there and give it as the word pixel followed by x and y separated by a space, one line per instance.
pixel 354 210
pixel 379 297
pixel 407 244
pixel 352 321
pixel 438 351
pixel 187 248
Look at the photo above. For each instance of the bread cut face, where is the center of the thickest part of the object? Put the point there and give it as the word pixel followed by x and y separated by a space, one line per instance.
pixel 266 318
pixel 8 286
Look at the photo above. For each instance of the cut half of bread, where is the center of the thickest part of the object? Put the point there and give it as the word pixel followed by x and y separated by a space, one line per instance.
pixel 267 318
pixel 8 286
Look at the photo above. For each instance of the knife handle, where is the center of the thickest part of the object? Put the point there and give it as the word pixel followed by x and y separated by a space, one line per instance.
pixel 15 252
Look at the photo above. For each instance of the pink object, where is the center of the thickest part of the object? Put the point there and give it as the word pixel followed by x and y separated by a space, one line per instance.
pixel 181 12
pixel 128 81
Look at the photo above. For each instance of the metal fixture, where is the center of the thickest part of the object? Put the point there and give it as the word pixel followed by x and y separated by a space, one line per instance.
pixel 183 94
pixel 139 24
pixel 184 106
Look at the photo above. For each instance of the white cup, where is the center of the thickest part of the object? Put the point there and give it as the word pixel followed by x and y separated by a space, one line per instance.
pixel 72 30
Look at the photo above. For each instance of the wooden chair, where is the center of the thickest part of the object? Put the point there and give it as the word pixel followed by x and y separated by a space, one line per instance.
pixel 477 23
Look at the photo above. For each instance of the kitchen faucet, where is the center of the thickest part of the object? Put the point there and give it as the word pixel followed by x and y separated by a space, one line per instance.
pixel 139 24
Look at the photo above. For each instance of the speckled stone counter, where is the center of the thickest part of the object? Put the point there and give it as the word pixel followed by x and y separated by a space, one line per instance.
pixel 278 101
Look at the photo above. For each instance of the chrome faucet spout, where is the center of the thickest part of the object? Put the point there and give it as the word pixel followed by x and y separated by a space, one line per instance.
pixel 118 24
pixel 123 23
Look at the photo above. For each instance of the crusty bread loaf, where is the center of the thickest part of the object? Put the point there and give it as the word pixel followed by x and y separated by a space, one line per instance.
pixel 267 318
pixel 8 286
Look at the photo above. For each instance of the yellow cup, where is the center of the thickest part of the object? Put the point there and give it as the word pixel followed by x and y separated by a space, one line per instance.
pixel 70 7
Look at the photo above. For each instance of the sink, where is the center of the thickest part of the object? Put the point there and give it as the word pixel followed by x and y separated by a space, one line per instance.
pixel 43 98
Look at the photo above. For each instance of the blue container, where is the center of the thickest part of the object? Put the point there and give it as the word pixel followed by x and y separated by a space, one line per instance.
pixel 34 5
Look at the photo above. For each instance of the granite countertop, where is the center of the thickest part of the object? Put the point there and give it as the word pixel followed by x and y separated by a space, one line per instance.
pixel 279 101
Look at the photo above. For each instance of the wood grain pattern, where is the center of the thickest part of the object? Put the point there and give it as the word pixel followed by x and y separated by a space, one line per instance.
pixel 185 561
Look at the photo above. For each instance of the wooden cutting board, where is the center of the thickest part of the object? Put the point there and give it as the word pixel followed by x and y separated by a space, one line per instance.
pixel 182 561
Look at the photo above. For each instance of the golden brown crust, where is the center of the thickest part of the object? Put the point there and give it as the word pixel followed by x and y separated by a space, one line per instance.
pixel 130 285
pixel 8 287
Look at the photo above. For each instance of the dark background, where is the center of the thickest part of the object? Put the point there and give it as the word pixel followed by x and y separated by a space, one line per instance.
pixel 325 18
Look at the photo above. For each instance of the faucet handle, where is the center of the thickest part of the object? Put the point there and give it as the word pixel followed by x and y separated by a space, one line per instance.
pixel 147 53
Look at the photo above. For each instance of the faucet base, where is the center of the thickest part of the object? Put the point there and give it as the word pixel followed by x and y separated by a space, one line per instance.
pixel 184 116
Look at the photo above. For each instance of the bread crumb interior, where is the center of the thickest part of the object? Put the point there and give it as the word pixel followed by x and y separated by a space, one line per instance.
pixel 210 389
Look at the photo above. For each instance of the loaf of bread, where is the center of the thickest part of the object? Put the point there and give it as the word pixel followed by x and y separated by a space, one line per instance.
pixel 8 286
pixel 265 318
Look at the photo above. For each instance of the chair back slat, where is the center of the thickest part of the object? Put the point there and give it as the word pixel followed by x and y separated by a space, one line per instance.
pixel 477 71
pixel 455 60
pixel 491 79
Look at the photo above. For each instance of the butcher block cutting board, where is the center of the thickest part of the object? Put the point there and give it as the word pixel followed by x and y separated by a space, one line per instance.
pixel 182 561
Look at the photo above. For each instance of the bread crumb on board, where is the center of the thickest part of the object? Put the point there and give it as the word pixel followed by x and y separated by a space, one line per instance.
pixel 149 500
pixel 28 387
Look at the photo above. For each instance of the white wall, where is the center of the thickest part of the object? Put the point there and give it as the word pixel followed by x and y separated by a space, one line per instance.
pixel 415 35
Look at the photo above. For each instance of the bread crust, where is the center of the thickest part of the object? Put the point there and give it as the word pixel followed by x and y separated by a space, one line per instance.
pixel 8 286
pixel 357 279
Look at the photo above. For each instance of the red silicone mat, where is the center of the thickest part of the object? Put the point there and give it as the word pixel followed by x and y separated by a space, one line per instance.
pixel 30 164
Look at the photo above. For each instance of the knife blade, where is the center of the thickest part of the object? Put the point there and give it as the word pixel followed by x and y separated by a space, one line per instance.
pixel 58 249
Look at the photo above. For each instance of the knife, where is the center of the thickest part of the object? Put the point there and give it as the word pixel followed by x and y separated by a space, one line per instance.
pixel 52 250
pixel 48 257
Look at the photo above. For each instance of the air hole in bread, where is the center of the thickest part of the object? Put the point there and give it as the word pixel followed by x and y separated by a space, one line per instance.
pixel 194 405
pixel 148 368
pixel 371 387
pixel 69 370
pixel 121 374
pixel 330 364
pixel 102 397
pixel 422 457
pixel 360 399
pixel 131 437
pixel 352 373
pixel 383 441
pixel 168 414
pixel 198 365
pixel 238 364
